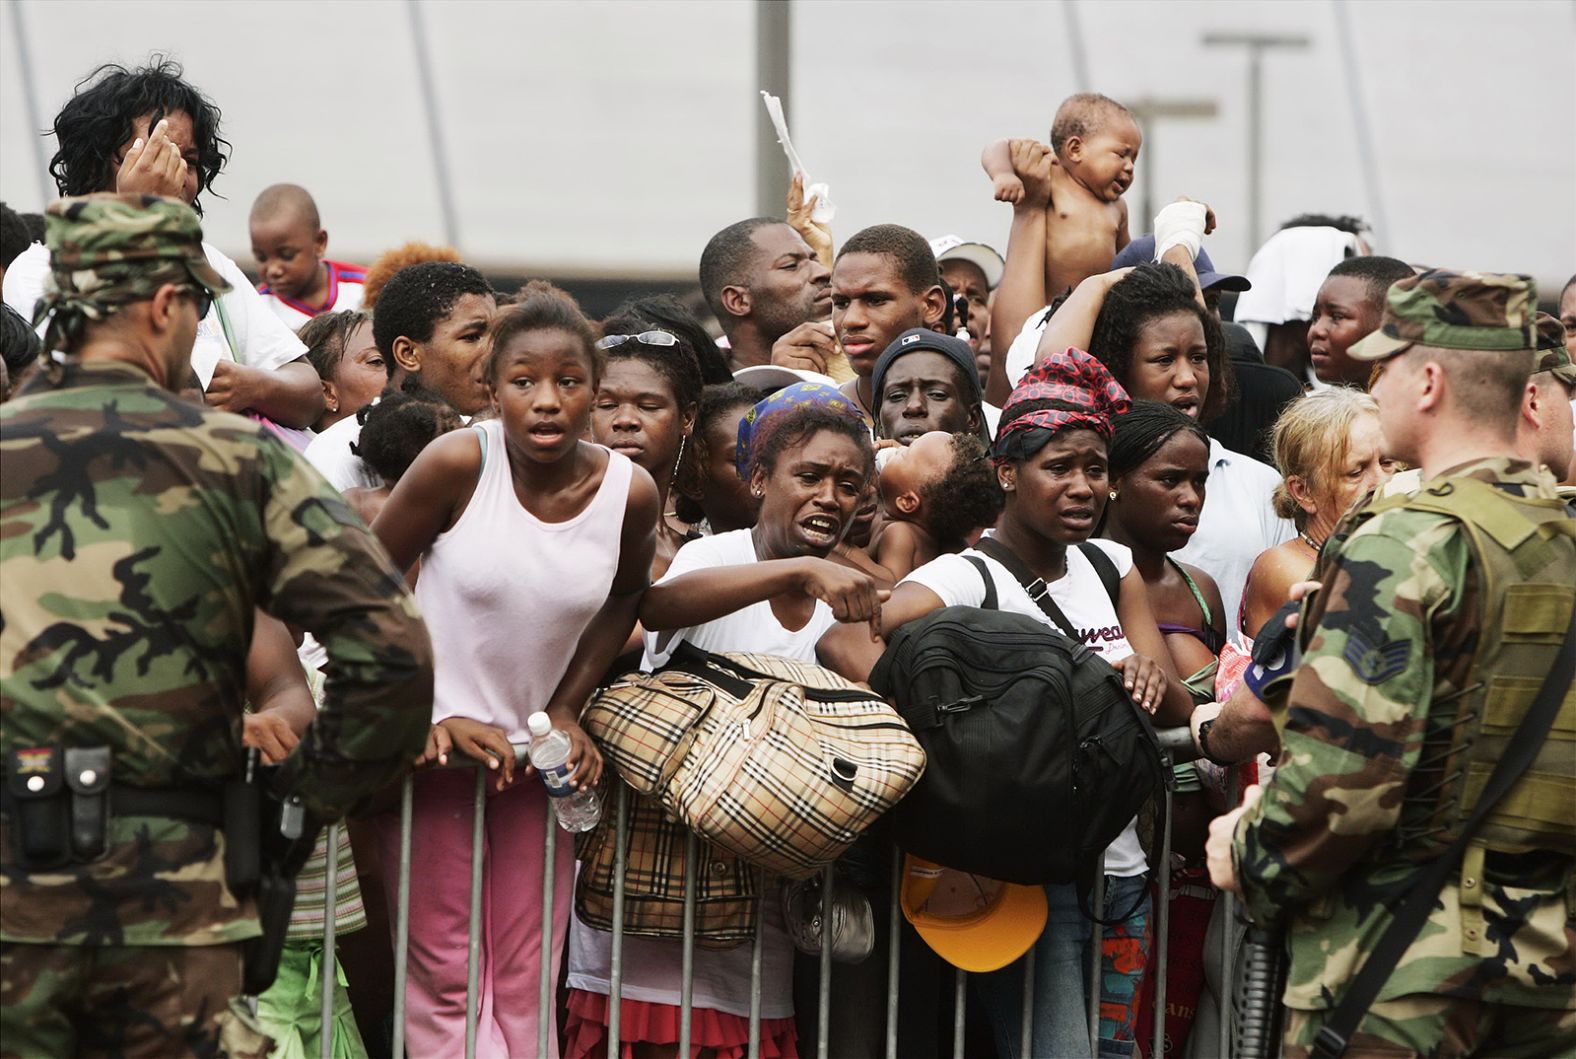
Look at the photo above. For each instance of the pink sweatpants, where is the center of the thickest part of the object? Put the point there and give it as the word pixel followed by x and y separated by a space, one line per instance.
pixel 511 914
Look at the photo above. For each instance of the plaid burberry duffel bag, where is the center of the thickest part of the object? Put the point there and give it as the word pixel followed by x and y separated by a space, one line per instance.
pixel 727 890
pixel 782 763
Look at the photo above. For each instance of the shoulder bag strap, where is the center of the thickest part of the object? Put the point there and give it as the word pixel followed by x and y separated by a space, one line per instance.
pixel 1419 902
pixel 236 353
pixel 1036 587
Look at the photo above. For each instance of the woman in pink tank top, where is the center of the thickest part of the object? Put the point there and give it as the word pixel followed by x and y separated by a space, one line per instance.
pixel 536 548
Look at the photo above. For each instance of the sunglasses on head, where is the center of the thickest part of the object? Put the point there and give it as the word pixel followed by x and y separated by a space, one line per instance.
pixel 645 338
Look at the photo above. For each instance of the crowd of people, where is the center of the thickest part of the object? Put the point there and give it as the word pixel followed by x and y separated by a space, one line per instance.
pixel 369 520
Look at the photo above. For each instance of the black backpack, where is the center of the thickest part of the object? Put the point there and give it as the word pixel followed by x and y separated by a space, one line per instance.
pixel 1037 758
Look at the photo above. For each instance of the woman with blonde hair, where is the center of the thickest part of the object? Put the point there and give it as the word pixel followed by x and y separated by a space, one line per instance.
pixel 1330 451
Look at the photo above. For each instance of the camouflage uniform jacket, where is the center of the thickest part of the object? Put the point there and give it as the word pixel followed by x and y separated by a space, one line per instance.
pixel 1392 632
pixel 137 533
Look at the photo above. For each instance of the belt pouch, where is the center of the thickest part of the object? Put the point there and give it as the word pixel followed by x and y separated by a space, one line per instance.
pixel 87 777
pixel 39 806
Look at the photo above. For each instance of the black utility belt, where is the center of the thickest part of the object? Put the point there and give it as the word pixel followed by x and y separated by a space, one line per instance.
pixel 60 801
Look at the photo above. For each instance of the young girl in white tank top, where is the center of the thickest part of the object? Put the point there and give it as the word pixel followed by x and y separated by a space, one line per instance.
pixel 535 548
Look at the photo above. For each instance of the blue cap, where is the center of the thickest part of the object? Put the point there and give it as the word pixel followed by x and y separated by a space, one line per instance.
pixel 1143 249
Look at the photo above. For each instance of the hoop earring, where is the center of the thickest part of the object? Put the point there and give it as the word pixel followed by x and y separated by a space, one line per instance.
pixel 1113 494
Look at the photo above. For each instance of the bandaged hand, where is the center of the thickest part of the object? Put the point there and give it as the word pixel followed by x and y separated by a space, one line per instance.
pixel 1183 223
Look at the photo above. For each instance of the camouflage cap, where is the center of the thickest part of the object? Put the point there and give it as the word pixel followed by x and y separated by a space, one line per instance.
pixel 1487 311
pixel 1553 356
pixel 107 251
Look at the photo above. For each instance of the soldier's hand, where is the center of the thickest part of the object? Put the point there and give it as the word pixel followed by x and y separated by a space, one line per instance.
pixel 486 743
pixel 270 733
pixel 438 746
pixel 1222 832
pixel 1144 678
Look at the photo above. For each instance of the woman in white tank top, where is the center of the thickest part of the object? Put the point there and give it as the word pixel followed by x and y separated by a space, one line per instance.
pixel 536 547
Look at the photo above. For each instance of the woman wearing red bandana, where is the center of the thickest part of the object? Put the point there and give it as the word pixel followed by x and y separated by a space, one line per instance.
pixel 1050 457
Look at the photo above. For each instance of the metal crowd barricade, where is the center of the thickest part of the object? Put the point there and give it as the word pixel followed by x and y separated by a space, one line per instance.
pixel 1176 742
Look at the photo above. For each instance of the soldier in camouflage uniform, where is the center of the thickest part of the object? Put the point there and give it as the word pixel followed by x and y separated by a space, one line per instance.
pixel 137 533
pixel 1439 615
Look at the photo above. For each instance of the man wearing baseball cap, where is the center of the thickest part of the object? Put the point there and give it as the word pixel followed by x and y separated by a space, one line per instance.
pixel 926 381
pixel 972 270
pixel 1418 840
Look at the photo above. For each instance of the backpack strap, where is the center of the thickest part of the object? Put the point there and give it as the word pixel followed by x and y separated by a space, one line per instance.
pixel 1036 587
pixel 1104 569
pixel 1414 910
pixel 990 601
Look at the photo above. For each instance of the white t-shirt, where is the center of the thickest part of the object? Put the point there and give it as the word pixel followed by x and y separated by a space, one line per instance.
pixel 1020 355
pixel 1238 524
pixel 1082 598
pixel 330 453
pixel 755 628
pixel 346 288
pixel 262 339
pixel 652 965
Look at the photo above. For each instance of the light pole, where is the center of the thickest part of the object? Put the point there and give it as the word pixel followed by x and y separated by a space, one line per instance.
pixel 1148 112
pixel 772 44
pixel 1257 44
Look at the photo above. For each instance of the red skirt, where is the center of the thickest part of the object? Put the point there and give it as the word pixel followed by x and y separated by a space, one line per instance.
pixel 726 1036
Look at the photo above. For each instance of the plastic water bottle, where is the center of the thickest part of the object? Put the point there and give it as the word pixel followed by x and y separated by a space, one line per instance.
pixel 577 810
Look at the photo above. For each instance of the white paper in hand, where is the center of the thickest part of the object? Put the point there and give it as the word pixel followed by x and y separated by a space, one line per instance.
pixel 824 210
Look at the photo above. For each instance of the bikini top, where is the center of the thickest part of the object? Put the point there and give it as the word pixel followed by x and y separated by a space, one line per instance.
pixel 1206 635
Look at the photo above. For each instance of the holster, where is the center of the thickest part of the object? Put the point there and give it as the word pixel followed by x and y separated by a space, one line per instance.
pixel 260 955
pixel 280 835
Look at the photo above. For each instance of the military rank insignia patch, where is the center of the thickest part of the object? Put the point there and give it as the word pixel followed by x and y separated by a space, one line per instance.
pixel 1372 657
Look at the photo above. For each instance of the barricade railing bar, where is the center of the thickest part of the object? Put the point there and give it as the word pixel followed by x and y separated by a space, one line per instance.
pixel 1176 742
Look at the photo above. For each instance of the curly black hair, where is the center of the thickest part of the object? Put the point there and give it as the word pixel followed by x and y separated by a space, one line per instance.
pixel 676 364
pixel 715 401
pixel 398 427
pixel 99 118
pixel 968 497
pixel 325 336
pixel 14 236
pixel 671 315
pixel 1149 292
pixel 417 297
pixel 799 425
